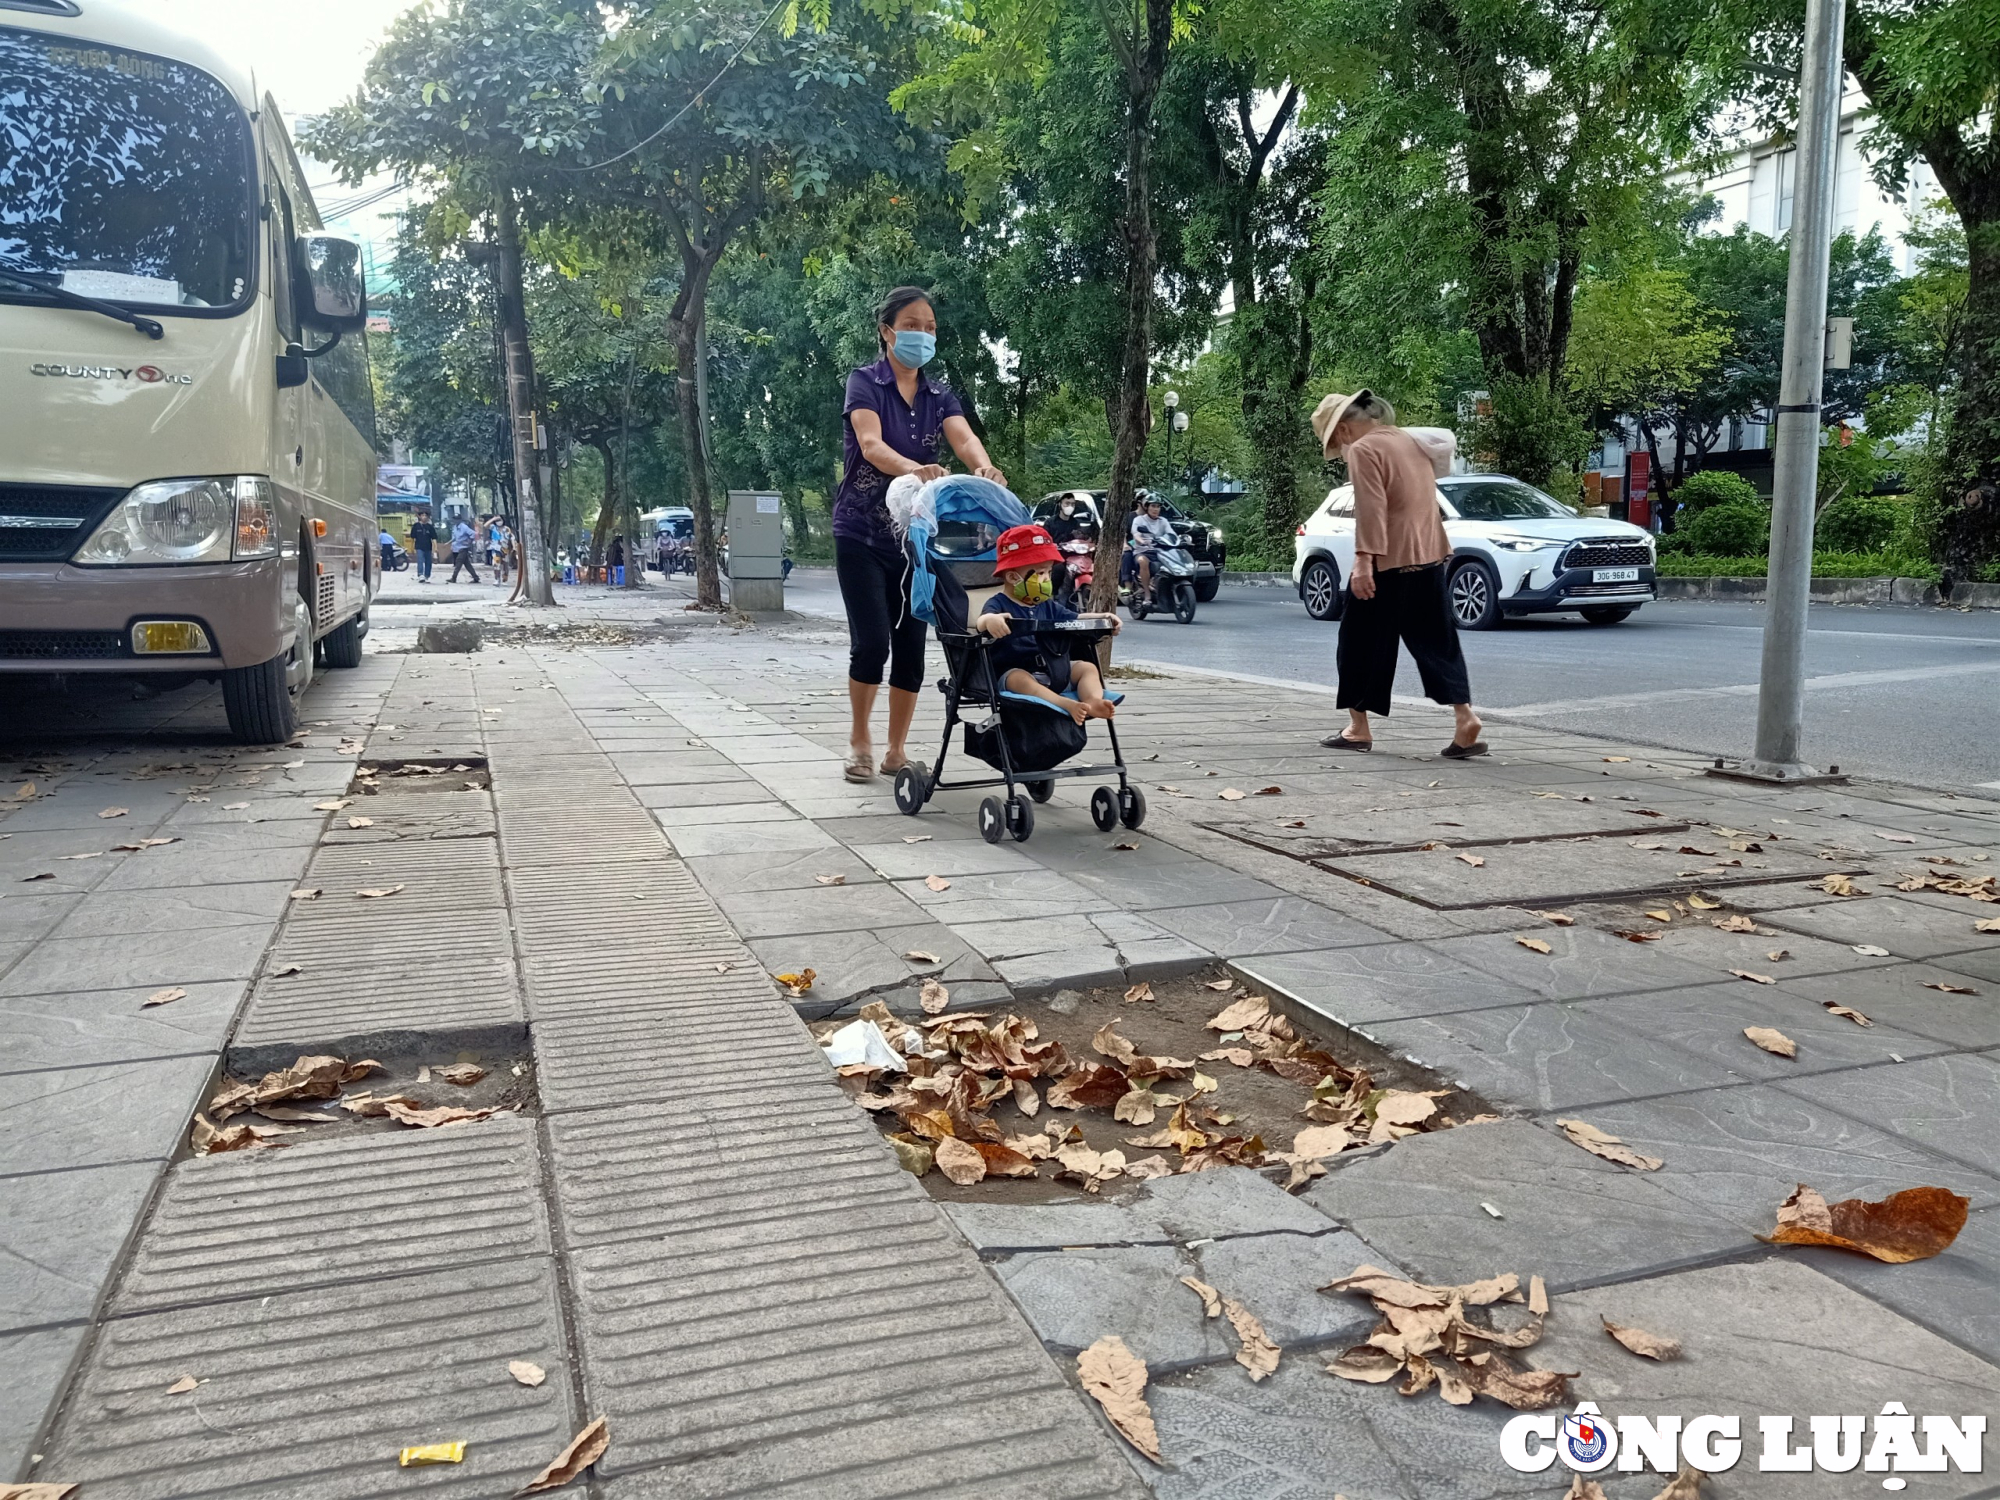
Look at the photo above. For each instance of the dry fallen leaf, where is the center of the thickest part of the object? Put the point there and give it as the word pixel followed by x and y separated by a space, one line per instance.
pixel 1869 950
pixel 1617 760
pixel 1472 859
pixel 797 984
pixel 330 806
pixel 1914 1224
pixel 1838 885
pixel 916 838
pixel 1140 991
pixel 1736 924
pixel 1220 985
pixel 1250 1011
pixel 1686 1485
pixel 526 1373
pixel 430 1119
pixel 912 1155
pixel 937 882
pixel 933 997
pixel 1610 1147
pixel 285 971
pixel 462 1074
pixel 163 997
pixel 1558 918
pixel 1255 1352
pixel 1211 1299
pixel 1659 916
pixel 585 1449
pixel 378 891
pixel 182 1386
pixel 918 956
pixel 1773 1041
pixel 1989 924
pixel 1846 1013
pixel 360 822
pixel 959 1161
pixel 1635 937
pixel 829 880
pixel 1753 978
pixel 306 893
pixel 1584 1489
pixel 1640 1342
pixel 1115 1378
pixel 115 812
pixel 1535 943
pixel 234 806
pixel 1950 989
pixel 1701 903
pixel 1230 794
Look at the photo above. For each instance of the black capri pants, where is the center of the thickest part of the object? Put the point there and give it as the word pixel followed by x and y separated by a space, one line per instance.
pixel 1410 605
pixel 881 626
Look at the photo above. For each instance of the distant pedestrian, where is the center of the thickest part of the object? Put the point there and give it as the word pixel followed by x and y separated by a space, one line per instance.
pixel 1396 589
pixel 463 539
pixel 423 536
pixel 503 548
pixel 893 416
pixel 388 546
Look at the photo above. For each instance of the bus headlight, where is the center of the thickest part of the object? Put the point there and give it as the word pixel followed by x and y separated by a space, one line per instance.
pixel 186 521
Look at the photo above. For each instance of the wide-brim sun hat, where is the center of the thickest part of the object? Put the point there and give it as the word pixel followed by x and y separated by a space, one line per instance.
pixel 1024 547
pixel 1326 416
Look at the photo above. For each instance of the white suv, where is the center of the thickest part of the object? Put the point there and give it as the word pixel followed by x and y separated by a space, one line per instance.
pixel 1515 551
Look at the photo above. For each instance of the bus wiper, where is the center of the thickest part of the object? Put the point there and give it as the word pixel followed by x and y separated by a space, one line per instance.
pixel 67 298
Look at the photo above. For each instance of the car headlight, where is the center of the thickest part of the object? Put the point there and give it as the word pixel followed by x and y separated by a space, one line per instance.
pixel 1522 543
pixel 1215 535
pixel 187 521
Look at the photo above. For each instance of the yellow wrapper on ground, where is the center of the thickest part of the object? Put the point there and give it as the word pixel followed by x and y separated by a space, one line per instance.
pixel 433 1453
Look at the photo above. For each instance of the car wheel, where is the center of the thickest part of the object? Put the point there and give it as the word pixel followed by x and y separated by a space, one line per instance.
pixel 259 703
pixel 1320 588
pixel 342 647
pixel 1206 589
pixel 1475 597
pixel 1607 615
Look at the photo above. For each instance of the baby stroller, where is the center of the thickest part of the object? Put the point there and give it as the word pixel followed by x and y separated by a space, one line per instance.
pixel 1025 739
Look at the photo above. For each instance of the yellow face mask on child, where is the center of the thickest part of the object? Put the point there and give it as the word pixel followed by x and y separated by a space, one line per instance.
pixel 1031 587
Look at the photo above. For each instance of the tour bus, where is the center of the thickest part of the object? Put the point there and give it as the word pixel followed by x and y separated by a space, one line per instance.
pixel 187 460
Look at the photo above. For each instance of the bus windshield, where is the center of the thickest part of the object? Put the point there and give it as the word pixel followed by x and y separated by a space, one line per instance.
pixel 122 177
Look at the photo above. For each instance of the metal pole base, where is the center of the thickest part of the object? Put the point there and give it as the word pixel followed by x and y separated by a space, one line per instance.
pixel 1776 773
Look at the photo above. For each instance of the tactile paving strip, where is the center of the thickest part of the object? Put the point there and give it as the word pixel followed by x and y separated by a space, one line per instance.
pixel 248 1223
pixel 612 1053
pixel 545 835
pixel 307 1395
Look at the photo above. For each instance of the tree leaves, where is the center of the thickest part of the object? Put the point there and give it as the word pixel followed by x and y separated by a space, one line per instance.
pixel 1640 1342
pixel 1914 1224
pixel 1610 1147
pixel 1115 1378
pixel 1772 1040
pixel 585 1449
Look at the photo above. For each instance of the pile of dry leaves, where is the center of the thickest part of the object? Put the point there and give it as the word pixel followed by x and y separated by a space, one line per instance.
pixel 957 1069
pixel 321 1078
pixel 1426 1337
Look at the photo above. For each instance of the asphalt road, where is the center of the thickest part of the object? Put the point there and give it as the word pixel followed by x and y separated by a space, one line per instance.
pixel 1896 691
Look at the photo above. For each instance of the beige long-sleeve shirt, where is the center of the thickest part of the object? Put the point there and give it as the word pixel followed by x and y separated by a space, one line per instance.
pixel 1396 517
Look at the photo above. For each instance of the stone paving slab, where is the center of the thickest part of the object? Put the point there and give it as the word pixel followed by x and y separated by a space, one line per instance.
pixel 1381 982
pixel 1222 1203
pixel 1738 1152
pixel 840 908
pixel 776 836
pixel 188 955
pixel 1908 929
pixel 89 1116
pixel 465 873
pixel 634 1053
pixel 726 1378
pixel 555 835
pixel 360 1207
pixel 1841 1353
pixel 1566 1215
pixel 60 1237
pixel 1944 1104
pixel 1286 925
pixel 1582 963
pixel 309 1394
pixel 205 908
pixel 114 1026
pixel 1708 1021
pixel 39 1361
pixel 1950 1294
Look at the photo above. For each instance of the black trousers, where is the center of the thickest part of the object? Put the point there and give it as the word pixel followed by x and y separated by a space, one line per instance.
pixel 463 560
pixel 881 626
pixel 1408 607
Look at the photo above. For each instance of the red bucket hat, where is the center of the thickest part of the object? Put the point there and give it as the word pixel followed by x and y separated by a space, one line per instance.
pixel 1024 547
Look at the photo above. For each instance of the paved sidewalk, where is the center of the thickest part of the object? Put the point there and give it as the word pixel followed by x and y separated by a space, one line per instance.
pixel 698 1236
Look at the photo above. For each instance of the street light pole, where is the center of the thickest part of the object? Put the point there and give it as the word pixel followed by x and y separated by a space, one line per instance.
pixel 1781 688
pixel 1173 401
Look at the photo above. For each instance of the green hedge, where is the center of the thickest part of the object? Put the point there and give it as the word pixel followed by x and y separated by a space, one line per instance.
pixel 1825 565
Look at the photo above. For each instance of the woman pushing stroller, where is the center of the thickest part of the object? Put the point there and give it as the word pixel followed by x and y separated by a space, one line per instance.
pixel 1025 558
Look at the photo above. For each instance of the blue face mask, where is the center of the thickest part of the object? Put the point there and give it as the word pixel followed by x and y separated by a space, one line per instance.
pixel 914 348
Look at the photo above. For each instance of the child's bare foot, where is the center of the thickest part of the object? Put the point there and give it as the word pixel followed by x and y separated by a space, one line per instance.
pixel 1100 708
pixel 1078 712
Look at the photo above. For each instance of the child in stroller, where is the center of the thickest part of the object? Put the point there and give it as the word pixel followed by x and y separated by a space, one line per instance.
pixel 1025 557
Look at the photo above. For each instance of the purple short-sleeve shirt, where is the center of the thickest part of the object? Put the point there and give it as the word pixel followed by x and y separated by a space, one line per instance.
pixel 860 511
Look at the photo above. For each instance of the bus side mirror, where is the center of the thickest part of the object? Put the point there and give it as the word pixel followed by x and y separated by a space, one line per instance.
pixel 292 367
pixel 330 269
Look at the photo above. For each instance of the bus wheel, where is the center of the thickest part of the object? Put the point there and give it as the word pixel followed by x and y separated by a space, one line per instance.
pixel 258 702
pixel 343 646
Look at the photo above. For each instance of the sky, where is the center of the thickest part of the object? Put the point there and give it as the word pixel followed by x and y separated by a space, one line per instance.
pixel 310 55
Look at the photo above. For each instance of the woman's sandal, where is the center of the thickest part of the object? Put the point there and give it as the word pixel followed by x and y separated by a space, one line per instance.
pixel 1342 742
pixel 1456 751
pixel 892 763
pixel 859 767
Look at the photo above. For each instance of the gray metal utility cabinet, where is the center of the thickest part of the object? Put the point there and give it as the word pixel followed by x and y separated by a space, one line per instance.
pixel 756 550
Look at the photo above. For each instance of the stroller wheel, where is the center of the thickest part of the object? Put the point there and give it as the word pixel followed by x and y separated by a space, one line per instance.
pixel 1104 809
pixel 1041 791
pixel 1020 818
pixel 992 821
pixel 910 789
pixel 1131 806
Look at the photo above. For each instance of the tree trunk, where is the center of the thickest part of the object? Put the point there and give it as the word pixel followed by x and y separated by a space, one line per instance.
pixel 795 508
pixel 685 327
pixel 520 407
pixel 1970 533
pixel 1145 58
pixel 600 536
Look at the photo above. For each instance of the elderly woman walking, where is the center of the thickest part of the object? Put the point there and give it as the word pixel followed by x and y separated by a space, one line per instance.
pixel 1396 590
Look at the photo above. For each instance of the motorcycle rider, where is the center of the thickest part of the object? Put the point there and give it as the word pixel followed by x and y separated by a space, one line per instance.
pixel 1071 522
pixel 1150 532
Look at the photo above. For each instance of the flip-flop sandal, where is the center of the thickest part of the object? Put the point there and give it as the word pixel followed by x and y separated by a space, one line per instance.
pixel 859 768
pixel 1342 742
pixel 891 767
pixel 1456 751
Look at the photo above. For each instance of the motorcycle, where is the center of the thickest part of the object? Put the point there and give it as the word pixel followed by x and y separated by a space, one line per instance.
pixel 1079 569
pixel 1173 585
pixel 397 561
